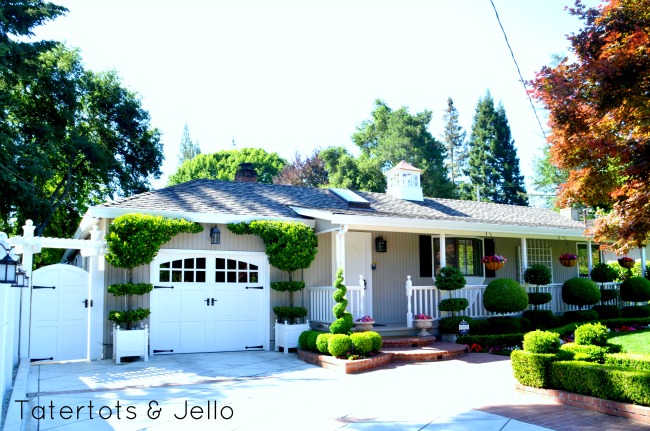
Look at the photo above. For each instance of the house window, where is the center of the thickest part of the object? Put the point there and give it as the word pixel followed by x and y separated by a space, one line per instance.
pixel 583 262
pixel 538 252
pixel 191 270
pixel 235 271
pixel 462 253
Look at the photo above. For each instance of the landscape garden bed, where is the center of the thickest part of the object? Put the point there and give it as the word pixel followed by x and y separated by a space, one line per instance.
pixel 344 365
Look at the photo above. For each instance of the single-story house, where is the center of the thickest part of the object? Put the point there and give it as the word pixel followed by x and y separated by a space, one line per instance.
pixel 389 245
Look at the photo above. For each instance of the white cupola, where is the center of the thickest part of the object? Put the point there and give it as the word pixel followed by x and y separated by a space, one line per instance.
pixel 404 182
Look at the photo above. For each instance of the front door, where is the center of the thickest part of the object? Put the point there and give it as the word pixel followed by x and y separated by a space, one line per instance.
pixel 60 309
pixel 358 260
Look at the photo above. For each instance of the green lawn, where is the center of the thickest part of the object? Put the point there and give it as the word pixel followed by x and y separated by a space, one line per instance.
pixel 632 341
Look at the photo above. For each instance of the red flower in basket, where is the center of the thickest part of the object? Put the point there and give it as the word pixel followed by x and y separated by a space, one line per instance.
pixel 568 256
pixel 494 258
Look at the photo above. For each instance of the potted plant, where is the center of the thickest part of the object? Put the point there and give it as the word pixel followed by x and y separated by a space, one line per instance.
pixel 494 262
pixel 134 240
pixel 423 322
pixel 568 259
pixel 290 246
pixel 626 262
pixel 364 323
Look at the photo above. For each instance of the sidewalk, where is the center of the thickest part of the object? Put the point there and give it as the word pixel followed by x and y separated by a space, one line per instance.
pixel 270 390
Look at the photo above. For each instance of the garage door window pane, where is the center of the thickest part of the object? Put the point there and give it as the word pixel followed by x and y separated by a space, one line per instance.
pixel 164 276
pixel 253 277
pixel 243 265
pixel 164 265
pixel 220 277
pixel 220 263
pixel 177 264
pixel 232 277
pixel 232 264
pixel 200 276
pixel 200 263
pixel 189 263
pixel 177 276
pixel 188 277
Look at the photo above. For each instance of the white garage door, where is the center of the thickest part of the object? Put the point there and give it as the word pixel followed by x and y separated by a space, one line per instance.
pixel 209 302
pixel 60 306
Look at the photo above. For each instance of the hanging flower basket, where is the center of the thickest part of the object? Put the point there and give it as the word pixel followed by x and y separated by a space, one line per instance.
pixel 494 262
pixel 568 259
pixel 626 262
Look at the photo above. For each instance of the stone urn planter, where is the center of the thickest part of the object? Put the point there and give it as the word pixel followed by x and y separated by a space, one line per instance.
pixel 423 325
pixel 363 326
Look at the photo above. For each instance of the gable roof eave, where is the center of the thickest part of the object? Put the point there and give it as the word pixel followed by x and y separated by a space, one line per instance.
pixel 443 226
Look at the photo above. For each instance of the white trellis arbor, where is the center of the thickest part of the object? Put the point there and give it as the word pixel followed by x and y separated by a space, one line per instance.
pixel 27 245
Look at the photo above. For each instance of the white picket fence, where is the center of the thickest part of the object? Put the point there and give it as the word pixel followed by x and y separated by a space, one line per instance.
pixel 9 328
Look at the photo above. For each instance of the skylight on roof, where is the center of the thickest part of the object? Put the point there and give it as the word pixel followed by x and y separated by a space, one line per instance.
pixel 351 198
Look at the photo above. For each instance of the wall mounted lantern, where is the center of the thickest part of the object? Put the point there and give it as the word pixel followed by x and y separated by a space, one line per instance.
pixel 215 235
pixel 8 267
pixel 21 277
pixel 380 244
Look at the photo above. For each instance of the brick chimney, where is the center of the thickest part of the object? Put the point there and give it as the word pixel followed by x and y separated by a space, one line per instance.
pixel 246 173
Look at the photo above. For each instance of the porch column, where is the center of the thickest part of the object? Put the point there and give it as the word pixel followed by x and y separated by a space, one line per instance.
pixel 443 253
pixel 340 250
pixel 643 258
pixel 409 295
pixel 26 293
pixel 590 262
pixel 524 258
pixel 96 286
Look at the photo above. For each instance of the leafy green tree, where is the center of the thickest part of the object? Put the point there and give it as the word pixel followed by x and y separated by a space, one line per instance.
pixel 548 177
pixel 307 172
pixel 346 171
pixel 453 137
pixel 223 165
pixel 492 164
pixel 391 136
pixel 77 137
pixel 189 149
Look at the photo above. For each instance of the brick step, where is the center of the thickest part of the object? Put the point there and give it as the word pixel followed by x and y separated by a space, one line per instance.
pixel 439 351
pixel 402 342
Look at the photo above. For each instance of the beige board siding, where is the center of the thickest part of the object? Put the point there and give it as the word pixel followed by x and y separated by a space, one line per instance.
pixel 324 225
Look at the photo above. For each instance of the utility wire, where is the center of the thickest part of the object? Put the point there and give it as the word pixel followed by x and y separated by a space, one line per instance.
pixel 518 71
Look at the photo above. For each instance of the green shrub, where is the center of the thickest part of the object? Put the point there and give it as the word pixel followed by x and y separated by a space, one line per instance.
pixel 580 316
pixel 125 289
pixel 628 360
pixel 591 333
pixel 538 274
pixel 532 369
pixel 377 341
pixel 362 343
pixel 541 319
pixel 603 273
pixel 453 304
pixel 541 342
pixel 311 341
pixel 602 381
pixel 636 311
pixel 288 286
pixel 343 322
pixel 580 291
pixel 322 342
pixel 586 353
pixel 504 295
pixel 480 327
pixel 302 339
pixel 127 317
pixel 616 323
pixel 489 341
pixel 607 295
pixel 635 289
pixel 289 314
pixel 607 311
pixel 339 344
pixel 450 278
pixel 540 298
pixel 505 325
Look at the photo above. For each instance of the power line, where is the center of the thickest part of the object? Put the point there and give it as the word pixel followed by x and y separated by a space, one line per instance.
pixel 518 71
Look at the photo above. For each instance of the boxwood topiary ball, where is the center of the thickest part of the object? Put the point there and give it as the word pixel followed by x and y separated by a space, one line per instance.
pixel 339 344
pixel 539 298
pixel 376 339
pixel 580 291
pixel 321 342
pixel 635 289
pixel 542 342
pixel 362 343
pixel 504 295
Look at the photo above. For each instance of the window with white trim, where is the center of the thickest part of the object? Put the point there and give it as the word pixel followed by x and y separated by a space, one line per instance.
pixel 538 252
pixel 190 270
pixel 235 271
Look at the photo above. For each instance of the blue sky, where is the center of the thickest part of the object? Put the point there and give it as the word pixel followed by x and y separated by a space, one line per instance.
pixel 291 76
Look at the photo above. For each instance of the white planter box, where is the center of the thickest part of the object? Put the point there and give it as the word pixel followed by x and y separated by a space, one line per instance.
pixel 130 343
pixel 286 336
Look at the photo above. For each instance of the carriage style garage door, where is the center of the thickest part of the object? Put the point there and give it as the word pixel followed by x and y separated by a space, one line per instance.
pixel 60 310
pixel 209 302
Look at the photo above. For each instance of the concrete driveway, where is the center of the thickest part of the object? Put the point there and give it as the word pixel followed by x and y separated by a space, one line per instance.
pixel 270 390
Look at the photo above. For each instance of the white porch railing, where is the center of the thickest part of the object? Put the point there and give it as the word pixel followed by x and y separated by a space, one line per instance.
pixel 321 302
pixel 425 299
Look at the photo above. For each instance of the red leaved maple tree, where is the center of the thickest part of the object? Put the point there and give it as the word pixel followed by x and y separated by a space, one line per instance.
pixel 599 115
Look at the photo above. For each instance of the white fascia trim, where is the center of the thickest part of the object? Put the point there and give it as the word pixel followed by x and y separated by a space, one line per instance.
pixel 437 226
pixel 103 212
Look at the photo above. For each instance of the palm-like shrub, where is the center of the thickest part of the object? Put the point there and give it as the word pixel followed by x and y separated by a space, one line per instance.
pixel 505 295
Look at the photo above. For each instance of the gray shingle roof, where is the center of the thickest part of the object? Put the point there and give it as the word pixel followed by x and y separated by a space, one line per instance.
pixel 272 200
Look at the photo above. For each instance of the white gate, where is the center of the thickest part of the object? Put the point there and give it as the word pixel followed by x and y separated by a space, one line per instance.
pixel 61 305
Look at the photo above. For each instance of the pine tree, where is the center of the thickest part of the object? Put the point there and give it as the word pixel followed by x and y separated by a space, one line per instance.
pixel 492 163
pixel 188 149
pixel 453 137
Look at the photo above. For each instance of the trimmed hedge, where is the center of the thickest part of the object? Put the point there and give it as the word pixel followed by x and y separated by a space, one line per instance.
pixel 303 337
pixel 607 311
pixel 607 295
pixel 377 341
pixel 584 353
pixel 361 342
pixel 532 369
pixel 505 295
pixel 636 311
pixel 580 291
pixel 453 304
pixel 541 319
pixel 635 289
pixel 602 381
pixel 542 342
pixel 539 298
pixel 339 344
pixel 591 333
pixel 322 342
pixel 580 316
pixel 628 360
pixel 505 325
pixel 449 325
pixel 311 341
pixel 488 341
